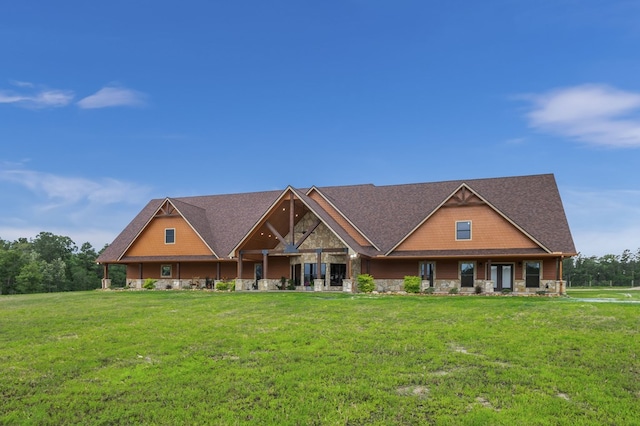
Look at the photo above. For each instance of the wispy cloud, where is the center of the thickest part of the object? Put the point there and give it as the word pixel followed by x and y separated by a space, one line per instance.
pixel 112 96
pixel 29 95
pixel 93 210
pixel 596 114
pixel 63 190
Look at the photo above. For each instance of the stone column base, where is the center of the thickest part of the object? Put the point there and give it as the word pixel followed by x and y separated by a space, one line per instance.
pixel 317 284
pixel 347 286
pixel 106 283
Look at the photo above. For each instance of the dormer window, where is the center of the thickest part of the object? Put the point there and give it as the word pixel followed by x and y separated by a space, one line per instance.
pixel 170 236
pixel 463 230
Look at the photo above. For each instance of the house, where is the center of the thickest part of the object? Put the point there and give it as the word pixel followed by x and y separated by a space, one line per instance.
pixel 501 234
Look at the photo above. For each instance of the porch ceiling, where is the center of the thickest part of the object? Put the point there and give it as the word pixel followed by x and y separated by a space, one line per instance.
pixel 263 237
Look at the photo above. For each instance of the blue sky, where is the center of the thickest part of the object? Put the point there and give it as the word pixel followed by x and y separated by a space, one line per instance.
pixel 105 105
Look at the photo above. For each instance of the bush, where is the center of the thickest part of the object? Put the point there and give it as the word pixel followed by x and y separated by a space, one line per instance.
pixel 506 290
pixel 412 284
pixel 453 290
pixel 429 290
pixel 149 284
pixel 366 283
pixel 226 286
pixel 291 284
pixel 478 289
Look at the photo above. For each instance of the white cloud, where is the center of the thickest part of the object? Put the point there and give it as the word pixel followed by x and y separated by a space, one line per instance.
pixel 39 99
pixel 595 114
pixel 112 96
pixel 93 210
pixel 62 190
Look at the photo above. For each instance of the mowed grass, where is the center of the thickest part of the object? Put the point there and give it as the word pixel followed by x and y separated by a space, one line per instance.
pixel 283 358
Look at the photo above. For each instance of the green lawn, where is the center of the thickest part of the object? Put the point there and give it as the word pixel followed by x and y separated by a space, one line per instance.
pixel 285 358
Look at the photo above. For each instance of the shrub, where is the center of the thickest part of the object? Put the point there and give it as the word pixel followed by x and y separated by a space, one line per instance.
pixel 412 284
pixel 366 283
pixel 453 290
pixel 429 290
pixel 506 290
pixel 226 285
pixel 149 284
pixel 283 283
pixel 478 289
pixel 541 292
pixel 291 284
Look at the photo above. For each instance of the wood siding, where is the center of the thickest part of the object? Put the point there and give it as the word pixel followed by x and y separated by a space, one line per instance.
pixel 351 230
pixel 489 230
pixel 398 269
pixel 151 241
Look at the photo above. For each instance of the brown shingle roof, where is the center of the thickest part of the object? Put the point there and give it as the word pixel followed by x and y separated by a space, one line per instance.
pixel 385 214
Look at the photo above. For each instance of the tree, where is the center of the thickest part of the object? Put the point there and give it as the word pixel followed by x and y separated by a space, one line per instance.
pixel 30 278
pixel 11 262
pixel 51 247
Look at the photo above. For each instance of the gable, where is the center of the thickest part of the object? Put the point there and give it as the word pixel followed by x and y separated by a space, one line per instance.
pixel 489 230
pixel 339 218
pixel 150 242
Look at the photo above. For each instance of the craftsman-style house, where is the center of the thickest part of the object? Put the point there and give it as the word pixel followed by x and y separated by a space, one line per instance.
pixel 500 234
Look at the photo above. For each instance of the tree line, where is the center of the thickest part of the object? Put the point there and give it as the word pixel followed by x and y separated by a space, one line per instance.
pixel 608 270
pixel 52 263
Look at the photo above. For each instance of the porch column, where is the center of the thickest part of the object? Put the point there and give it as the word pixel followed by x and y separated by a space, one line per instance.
pixel 218 271
pixel 239 285
pixel 106 282
pixel 265 261
pixel 178 268
pixel 318 283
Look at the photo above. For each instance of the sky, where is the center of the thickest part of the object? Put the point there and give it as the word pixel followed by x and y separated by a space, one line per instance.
pixel 106 105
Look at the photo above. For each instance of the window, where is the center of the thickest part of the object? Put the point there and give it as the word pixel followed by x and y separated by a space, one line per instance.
pixel 532 274
pixel 165 271
pixel 170 236
pixel 338 273
pixel 463 230
pixel 427 272
pixel 467 274
pixel 311 272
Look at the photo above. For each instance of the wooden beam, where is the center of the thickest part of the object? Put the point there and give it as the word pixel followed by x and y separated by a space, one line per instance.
pixel 292 236
pixel 308 232
pixel 275 232
pixel 319 262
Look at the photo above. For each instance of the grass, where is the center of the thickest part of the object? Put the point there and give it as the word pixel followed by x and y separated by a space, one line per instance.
pixel 192 357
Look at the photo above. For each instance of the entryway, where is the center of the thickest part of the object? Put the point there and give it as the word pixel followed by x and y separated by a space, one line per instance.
pixel 502 276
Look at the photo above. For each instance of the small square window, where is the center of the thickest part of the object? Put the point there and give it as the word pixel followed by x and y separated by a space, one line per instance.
pixel 463 230
pixel 169 236
pixel 165 271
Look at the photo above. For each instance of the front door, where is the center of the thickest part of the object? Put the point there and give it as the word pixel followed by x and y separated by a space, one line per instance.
pixel 502 276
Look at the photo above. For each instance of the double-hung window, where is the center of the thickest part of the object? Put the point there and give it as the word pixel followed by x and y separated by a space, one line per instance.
pixel 463 230
pixel 532 274
pixel 170 236
pixel 467 274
